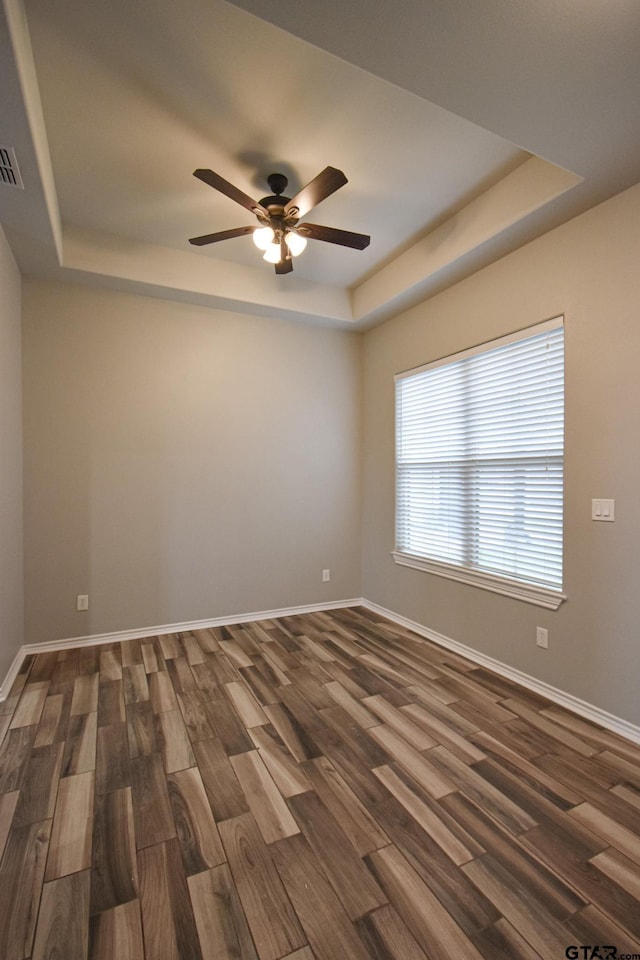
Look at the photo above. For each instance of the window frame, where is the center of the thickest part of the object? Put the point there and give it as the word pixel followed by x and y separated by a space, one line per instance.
pixel 540 595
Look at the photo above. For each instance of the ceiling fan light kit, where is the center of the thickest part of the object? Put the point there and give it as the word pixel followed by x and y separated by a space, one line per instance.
pixel 280 235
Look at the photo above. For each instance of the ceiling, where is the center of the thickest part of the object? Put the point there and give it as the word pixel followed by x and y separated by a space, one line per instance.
pixel 464 130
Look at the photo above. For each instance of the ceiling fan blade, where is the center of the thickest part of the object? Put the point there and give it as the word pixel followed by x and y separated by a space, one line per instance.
pixel 222 235
pixel 219 183
pixel 332 235
pixel 317 190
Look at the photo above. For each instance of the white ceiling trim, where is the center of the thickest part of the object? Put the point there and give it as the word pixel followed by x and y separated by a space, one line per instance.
pixel 406 279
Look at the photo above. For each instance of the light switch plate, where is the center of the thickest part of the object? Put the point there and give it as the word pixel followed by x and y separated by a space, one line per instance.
pixel 603 510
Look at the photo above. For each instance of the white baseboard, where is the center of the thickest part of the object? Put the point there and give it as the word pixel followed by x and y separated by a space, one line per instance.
pixel 97 639
pixel 607 720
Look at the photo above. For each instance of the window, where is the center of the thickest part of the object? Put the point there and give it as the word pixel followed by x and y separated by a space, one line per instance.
pixel 479 465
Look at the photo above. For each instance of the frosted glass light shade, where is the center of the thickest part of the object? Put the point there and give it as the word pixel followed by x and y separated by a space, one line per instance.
pixel 272 253
pixel 295 242
pixel 262 237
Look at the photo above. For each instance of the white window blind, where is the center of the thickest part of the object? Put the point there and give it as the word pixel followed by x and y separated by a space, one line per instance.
pixel 479 459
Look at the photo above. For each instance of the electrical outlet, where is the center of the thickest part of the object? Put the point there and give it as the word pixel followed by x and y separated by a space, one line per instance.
pixel 82 601
pixel 326 576
pixel 542 637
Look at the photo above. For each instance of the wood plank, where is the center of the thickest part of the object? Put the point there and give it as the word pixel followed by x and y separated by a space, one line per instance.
pixel 141 729
pixel 8 802
pixel 443 734
pixel 227 727
pixel 431 823
pixel 592 926
pixel 271 918
pixel 70 847
pixel 419 767
pixel 327 927
pixel 38 795
pixel 567 852
pixel 337 730
pixel 606 827
pixel 628 794
pixel 551 728
pixel 386 936
pixel 431 925
pixel 206 680
pixel 63 921
pixel 198 836
pixel 170 646
pixel 30 705
pixel 43 667
pixel 517 904
pixel 110 664
pixel 151 808
pixel 193 706
pixel 193 651
pixel 14 757
pixel 355 886
pixel 174 741
pixel 261 688
pixel 265 800
pixel 111 708
pixel 626 770
pixel 116 934
pixel 161 692
pixel 533 774
pixel 167 916
pixel 136 685
pixel 292 732
pixel 393 717
pixel 351 705
pixel 130 653
pixel 54 720
pixel 85 694
pixel 501 941
pixel 181 674
pixel 114 878
pixel 619 868
pixel 81 744
pixel 5 720
pixel 466 905
pixel 220 920
pixel 606 740
pixel 287 775
pixel 248 708
pixel 480 790
pixel 362 830
pixel 237 656
pixel 149 658
pixel 113 769
pixel 88 661
pixel 224 792
pixel 558 897
pixel 21 877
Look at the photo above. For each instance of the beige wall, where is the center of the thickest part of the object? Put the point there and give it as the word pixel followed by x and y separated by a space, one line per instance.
pixel 11 594
pixel 183 463
pixel 589 271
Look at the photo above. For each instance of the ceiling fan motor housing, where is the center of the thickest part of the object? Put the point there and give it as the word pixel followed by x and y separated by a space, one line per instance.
pixel 276 203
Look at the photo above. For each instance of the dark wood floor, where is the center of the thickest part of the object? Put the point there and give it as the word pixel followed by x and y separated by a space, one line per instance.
pixel 328 786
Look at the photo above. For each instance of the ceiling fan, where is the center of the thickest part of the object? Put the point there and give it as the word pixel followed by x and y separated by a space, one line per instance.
pixel 280 234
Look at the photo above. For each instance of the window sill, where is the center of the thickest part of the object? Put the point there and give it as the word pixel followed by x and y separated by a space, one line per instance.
pixel 540 596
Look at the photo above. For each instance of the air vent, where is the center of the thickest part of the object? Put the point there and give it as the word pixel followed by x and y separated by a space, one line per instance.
pixel 9 173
